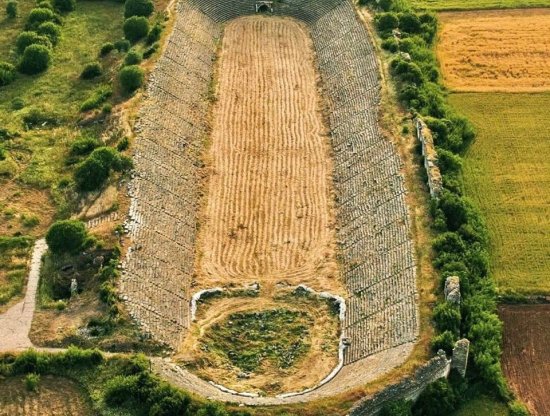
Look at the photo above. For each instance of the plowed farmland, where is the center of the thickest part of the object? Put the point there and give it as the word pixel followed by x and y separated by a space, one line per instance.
pixel 269 214
pixel 55 397
pixel 525 359
pixel 506 51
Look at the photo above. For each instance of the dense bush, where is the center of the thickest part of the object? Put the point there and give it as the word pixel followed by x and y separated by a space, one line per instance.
pixel 11 9
pixel 94 171
pixel 91 70
pixel 45 4
pixel 396 408
pixel 133 57
pixel 437 399
pixel 38 16
pixel 131 78
pixel 98 97
pixel 65 5
pixel 446 316
pixel 83 146
pixel 31 382
pixel 7 73
pixel 66 236
pixel 138 8
pixel 154 34
pixel 386 22
pixel 135 28
pixel 444 341
pixel 122 45
pixel 151 50
pixel 36 59
pixel 28 38
pixel 51 31
pixel 106 48
pixel 41 117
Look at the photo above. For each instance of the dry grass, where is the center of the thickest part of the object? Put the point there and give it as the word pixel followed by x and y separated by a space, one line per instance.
pixel 478 4
pixel 507 174
pixel 55 397
pixel 495 50
pixel 269 214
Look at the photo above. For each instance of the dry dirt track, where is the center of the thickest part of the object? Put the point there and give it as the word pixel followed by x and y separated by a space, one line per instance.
pixel 525 359
pixel 269 214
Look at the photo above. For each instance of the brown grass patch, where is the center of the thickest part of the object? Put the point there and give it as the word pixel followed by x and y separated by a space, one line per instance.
pixel 55 397
pixel 525 359
pixel 495 50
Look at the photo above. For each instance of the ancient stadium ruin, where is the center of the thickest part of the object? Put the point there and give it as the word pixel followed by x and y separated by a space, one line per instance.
pixel 185 240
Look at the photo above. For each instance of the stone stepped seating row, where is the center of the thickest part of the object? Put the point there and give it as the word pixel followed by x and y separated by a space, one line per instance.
pixel 164 191
pixel 374 235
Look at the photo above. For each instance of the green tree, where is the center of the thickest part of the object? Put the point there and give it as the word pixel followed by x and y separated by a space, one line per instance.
pixel 36 58
pixel 66 236
pixel 135 28
pixel 11 9
pixel 131 78
pixel 7 73
pixel 138 8
pixel 91 174
pixel 65 5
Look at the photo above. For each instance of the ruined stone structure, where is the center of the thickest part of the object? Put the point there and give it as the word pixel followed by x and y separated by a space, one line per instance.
pixel 375 245
pixel 452 289
pixel 460 356
pixel 423 133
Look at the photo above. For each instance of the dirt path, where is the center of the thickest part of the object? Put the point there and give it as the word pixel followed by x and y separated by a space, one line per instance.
pixel 15 323
pixel 269 214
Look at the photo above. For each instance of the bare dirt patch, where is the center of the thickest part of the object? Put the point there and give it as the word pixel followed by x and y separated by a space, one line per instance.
pixel 501 50
pixel 525 359
pixel 269 214
pixel 55 397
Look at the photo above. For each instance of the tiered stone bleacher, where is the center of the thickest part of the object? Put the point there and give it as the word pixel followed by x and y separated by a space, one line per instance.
pixel 165 188
pixel 377 252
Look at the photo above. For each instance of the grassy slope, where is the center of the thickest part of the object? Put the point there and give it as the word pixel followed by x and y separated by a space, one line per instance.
pixel 478 4
pixel 507 174
pixel 483 406
pixel 36 158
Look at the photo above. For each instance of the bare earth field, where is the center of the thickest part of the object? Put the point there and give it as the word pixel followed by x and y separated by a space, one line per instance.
pixel 506 50
pixel 507 175
pixel 269 215
pixel 525 359
pixel 55 397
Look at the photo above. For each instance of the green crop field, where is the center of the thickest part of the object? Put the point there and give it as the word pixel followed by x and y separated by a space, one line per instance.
pixel 478 4
pixel 507 175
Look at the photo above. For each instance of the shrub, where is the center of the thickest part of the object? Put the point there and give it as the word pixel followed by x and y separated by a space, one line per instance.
pixel 386 22
pixel 409 22
pixel 83 146
pixel 123 144
pixel 133 57
pixel 11 9
pixel 135 28
pixel 31 381
pixel 437 399
pixel 90 175
pixel 122 45
pixel 44 4
pixel 396 408
pixel 91 70
pixel 65 5
pixel 518 409
pixel 51 31
pixel 98 97
pixel 107 108
pixel 131 78
pixel 36 59
pixel 17 103
pixel 7 73
pixel 390 44
pixel 154 34
pixel 447 317
pixel 66 236
pixel 444 341
pixel 172 403
pixel 151 50
pixel 106 48
pixel 35 117
pixel 25 39
pixel 38 16
pixel 138 8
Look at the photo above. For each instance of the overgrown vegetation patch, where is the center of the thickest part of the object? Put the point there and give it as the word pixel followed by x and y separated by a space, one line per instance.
pixel 250 340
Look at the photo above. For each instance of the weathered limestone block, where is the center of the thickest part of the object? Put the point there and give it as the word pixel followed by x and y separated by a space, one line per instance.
pixel 460 356
pixel 452 289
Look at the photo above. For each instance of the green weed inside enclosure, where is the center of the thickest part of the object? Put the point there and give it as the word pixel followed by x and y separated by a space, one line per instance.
pixel 248 340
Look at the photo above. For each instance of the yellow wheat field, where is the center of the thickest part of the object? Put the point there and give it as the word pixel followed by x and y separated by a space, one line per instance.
pixel 497 50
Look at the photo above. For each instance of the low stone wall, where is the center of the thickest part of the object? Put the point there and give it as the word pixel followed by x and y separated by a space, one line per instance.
pixel 424 135
pixel 408 389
